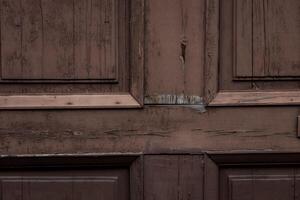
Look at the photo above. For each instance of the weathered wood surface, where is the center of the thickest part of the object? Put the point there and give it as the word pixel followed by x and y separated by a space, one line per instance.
pixel 67 101
pixel 174 47
pixel 254 98
pixel 59 39
pixel 169 177
pixel 152 129
pixel 238 69
pixel 252 176
pixel 258 183
pixel 160 128
pixel 266 38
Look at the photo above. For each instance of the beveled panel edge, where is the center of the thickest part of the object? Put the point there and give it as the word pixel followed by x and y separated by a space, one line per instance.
pixel 253 98
pixel 78 101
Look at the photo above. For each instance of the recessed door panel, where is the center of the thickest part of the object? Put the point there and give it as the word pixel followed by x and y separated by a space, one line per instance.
pixel 61 185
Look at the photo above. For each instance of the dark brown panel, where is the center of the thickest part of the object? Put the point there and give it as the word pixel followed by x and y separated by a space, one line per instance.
pixel 266 38
pixel 78 177
pixel 77 185
pixel 76 48
pixel 257 184
pixel 245 67
pixel 59 40
pixel 169 177
pixel 297 185
pixel 252 176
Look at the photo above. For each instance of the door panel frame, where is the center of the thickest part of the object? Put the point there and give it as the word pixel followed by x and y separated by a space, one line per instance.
pixel 213 95
pixel 214 161
pixel 132 99
pixel 134 162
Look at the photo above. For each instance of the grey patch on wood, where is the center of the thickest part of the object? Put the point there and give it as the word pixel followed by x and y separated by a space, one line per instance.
pixel 193 101
pixel 174 100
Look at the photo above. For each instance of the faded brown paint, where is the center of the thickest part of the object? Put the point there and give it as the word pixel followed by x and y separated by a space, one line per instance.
pixel 187 50
pixel 156 129
pixel 59 40
pixel 173 47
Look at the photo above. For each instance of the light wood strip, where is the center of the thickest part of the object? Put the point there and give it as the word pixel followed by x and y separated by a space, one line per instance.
pixel 256 98
pixel 67 101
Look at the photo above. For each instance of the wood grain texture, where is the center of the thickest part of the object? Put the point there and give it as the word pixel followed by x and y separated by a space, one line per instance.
pixel 256 98
pixel 173 177
pixel 211 49
pixel 257 183
pixel 243 37
pixel 59 40
pixel 137 35
pixel 76 49
pixel 137 179
pixel 35 187
pixel 67 101
pixel 266 39
pixel 174 47
pixel 211 179
pixel 239 55
pixel 79 177
pixel 153 129
pixel 247 175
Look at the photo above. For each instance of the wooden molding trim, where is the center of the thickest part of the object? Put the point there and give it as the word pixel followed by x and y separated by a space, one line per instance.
pixel 256 98
pixel 137 44
pixel 68 101
pixel 258 158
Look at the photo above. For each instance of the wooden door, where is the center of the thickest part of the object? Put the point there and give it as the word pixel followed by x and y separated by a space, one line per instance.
pixel 150 99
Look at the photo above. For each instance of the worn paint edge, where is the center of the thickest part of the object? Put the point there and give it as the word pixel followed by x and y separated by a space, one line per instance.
pixel 191 101
pixel 169 99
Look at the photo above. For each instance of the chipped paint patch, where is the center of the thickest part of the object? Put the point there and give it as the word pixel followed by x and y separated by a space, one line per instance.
pixel 174 100
pixel 193 102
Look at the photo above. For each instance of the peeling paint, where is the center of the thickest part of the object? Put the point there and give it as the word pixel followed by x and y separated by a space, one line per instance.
pixel 174 100
pixel 193 102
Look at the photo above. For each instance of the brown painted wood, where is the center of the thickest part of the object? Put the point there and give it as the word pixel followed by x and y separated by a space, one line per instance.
pixel 230 53
pixel 211 179
pixel 266 39
pixel 298 126
pixel 153 129
pixel 174 47
pixel 253 176
pixel 211 69
pixel 270 29
pixel 68 40
pixel 257 183
pixel 173 177
pixel 71 176
pixel 243 37
pixel 69 50
pixel 240 56
pixel 59 185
